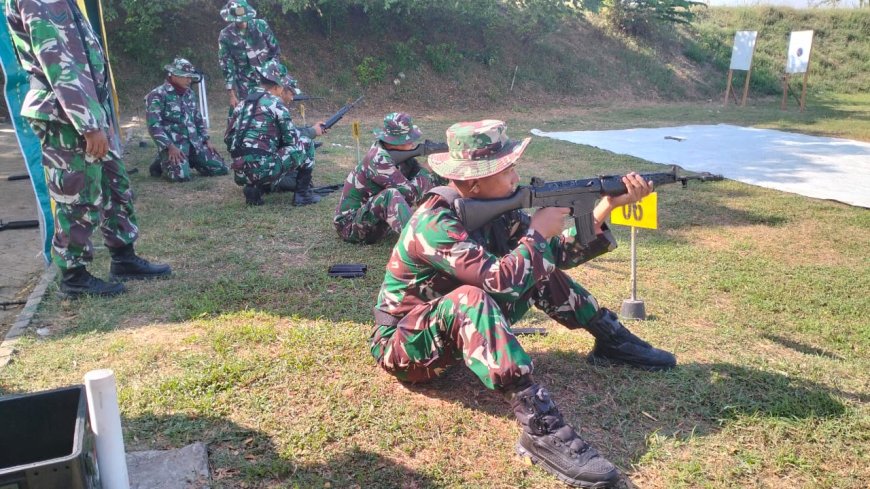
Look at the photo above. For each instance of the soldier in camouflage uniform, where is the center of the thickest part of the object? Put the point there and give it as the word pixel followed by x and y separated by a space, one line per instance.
pixel 451 296
pixel 69 110
pixel 178 129
pixel 378 195
pixel 243 47
pixel 264 142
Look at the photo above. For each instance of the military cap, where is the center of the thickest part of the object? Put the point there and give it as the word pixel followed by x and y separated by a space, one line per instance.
pixel 183 67
pixel 476 150
pixel 275 72
pixel 238 11
pixel 398 129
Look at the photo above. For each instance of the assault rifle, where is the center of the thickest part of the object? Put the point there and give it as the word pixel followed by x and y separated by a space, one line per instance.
pixel 338 115
pixel 303 97
pixel 18 225
pixel 425 148
pixel 578 195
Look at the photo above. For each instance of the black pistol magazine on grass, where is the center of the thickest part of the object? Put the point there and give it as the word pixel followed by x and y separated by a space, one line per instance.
pixel 348 270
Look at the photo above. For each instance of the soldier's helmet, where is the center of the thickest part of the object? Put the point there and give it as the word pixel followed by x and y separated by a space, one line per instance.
pixel 183 67
pixel 477 149
pixel 398 129
pixel 275 72
pixel 238 11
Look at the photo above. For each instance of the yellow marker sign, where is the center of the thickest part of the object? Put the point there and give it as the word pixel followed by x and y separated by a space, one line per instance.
pixel 643 214
pixel 354 128
pixel 302 110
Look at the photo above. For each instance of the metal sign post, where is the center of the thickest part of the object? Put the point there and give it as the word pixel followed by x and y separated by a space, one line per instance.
pixel 642 214
pixel 203 103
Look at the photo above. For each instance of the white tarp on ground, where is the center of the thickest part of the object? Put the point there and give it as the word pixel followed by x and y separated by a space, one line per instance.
pixel 824 168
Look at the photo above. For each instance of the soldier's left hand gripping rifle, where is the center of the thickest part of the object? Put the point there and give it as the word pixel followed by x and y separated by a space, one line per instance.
pixel 578 195
pixel 338 115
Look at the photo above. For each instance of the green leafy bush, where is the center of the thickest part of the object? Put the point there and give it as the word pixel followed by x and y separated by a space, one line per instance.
pixel 371 70
pixel 443 56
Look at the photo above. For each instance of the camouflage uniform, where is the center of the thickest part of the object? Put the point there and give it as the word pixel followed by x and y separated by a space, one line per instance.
pixel 377 196
pixel 69 96
pixel 242 51
pixel 174 119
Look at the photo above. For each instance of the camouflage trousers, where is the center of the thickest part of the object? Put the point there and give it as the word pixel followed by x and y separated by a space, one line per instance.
pixel 385 211
pixel 86 194
pixel 267 170
pixel 207 163
pixel 470 326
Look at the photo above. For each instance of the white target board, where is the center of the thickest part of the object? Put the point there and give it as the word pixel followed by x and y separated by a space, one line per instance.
pixel 799 46
pixel 744 47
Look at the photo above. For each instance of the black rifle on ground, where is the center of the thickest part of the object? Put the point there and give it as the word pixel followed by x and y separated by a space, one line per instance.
pixel 338 115
pixel 327 189
pixel 425 148
pixel 18 225
pixel 579 195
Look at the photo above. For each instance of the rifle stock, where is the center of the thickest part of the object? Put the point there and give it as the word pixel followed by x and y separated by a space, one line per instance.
pixel 425 148
pixel 578 195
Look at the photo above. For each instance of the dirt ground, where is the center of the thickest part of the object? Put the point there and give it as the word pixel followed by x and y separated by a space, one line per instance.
pixel 21 260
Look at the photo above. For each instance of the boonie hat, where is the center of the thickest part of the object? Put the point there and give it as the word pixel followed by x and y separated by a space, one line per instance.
pixel 238 11
pixel 398 129
pixel 183 67
pixel 477 149
pixel 275 72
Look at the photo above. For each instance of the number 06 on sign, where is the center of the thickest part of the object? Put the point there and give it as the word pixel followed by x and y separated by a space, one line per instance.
pixel 641 214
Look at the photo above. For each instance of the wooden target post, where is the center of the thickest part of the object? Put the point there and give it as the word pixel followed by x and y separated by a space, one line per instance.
pixel 797 61
pixel 741 60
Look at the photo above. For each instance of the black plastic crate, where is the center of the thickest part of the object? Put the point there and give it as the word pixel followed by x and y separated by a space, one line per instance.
pixel 46 441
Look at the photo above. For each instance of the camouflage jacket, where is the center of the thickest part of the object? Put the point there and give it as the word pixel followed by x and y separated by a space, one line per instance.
pixel 68 71
pixel 376 172
pixel 241 52
pixel 258 128
pixel 173 118
pixel 435 255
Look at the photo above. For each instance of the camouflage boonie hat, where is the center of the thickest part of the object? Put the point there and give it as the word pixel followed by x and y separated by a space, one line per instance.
pixel 477 149
pixel 183 67
pixel 275 72
pixel 398 129
pixel 238 11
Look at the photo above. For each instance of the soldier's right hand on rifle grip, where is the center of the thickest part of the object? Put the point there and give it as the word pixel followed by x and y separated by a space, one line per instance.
pixel 320 129
pixel 96 143
pixel 550 221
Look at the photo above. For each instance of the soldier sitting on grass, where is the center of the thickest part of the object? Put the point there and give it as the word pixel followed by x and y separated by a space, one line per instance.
pixel 178 129
pixel 451 296
pixel 264 142
pixel 378 196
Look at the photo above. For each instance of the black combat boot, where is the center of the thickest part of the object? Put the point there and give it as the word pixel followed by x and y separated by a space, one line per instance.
pixel 126 265
pixel 155 170
pixel 287 183
pixel 554 445
pixel 77 282
pixel 304 195
pixel 253 195
pixel 614 343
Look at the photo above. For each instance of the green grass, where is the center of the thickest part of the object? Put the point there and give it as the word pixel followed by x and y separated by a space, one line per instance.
pixel 251 348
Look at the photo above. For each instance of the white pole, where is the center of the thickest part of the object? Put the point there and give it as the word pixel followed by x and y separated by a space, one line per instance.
pixel 203 102
pixel 106 424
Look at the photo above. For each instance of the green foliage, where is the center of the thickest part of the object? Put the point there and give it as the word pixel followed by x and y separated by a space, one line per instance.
pixel 370 71
pixel 140 24
pixel 636 17
pixel 405 55
pixel 443 56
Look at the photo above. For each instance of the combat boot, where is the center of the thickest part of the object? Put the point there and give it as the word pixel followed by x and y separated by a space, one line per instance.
pixel 253 195
pixel 126 265
pixel 155 170
pixel 554 445
pixel 614 343
pixel 304 195
pixel 287 183
pixel 77 282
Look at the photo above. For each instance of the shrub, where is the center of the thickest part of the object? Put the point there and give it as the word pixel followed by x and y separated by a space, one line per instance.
pixel 443 56
pixel 371 70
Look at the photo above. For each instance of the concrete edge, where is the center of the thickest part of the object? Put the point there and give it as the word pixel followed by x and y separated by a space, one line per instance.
pixel 22 321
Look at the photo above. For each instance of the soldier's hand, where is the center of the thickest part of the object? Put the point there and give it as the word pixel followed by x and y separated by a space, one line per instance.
pixel 233 99
pixel 319 129
pixel 175 154
pixel 549 221
pixel 96 143
pixel 637 187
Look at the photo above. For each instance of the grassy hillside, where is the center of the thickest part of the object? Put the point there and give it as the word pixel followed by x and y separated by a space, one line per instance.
pixel 839 61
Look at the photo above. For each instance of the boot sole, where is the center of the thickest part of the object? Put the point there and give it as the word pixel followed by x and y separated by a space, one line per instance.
pixel 122 278
pixel 608 362
pixel 527 455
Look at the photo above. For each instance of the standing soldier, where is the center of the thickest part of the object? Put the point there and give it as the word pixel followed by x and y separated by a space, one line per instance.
pixel 264 143
pixel 378 195
pixel 450 296
pixel 69 110
pixel 243 46
pixel 177 127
